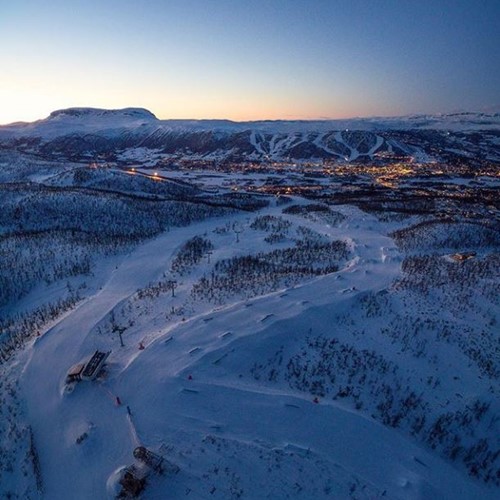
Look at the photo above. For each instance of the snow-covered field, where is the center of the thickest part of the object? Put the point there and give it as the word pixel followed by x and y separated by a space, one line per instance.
pixel 294 351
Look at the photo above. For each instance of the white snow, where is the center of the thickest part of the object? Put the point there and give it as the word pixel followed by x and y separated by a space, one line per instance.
pixel 188 400
pixel 114 122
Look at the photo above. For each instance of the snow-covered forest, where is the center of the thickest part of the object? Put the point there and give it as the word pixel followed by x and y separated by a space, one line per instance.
pixel 271 335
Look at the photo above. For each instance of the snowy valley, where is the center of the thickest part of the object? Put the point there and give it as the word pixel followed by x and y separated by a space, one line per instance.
pixel 291 309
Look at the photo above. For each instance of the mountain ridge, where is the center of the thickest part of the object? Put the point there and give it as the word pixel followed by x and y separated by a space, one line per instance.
pixel 82 133
pixel 423 120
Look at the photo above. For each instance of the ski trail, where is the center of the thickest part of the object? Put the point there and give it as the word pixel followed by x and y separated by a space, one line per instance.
pixel 353 152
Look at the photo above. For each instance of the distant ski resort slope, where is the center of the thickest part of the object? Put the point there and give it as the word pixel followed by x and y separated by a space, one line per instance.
pixel 78 133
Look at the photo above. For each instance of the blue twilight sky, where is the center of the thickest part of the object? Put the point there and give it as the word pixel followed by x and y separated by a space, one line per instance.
pixel 249 59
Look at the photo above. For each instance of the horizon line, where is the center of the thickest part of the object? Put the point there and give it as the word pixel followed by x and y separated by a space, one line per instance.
pixel 487 110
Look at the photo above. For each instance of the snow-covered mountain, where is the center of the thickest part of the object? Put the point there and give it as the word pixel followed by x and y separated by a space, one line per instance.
pixel 277 330
pixel 78 132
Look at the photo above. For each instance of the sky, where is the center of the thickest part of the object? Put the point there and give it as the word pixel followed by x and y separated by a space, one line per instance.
pixel 249 59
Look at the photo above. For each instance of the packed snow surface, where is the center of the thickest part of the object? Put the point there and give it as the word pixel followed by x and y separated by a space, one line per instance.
pixel 186 395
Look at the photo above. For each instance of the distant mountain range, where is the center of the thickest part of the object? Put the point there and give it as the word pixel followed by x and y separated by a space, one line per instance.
pixel 80 133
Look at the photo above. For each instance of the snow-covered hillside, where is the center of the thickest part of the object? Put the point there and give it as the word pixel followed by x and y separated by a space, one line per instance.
pixel 95 118
pixel 264 345
pixel 118 134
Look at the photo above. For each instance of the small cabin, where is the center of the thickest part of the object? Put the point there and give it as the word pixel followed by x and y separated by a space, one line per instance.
pixel 93 367
pixel 89 370
pixel 149 458
pixel 133 478
pixel 75 373
pixel 133 481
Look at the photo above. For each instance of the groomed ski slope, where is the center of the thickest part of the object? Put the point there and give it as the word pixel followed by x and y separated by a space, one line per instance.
pixel 189 401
